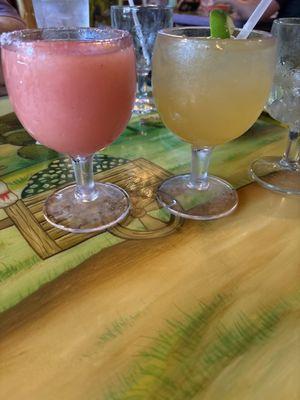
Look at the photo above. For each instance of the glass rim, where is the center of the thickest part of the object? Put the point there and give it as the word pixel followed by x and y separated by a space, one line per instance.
pixel 168 32
pixel 150 6
pixel 292 21
pixel 28 35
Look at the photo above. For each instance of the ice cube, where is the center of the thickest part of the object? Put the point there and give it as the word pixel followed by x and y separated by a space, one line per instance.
pixel 296 78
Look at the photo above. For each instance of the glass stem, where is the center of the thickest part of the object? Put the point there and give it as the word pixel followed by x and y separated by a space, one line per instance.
pixel 85 186
pixel 200 163
pixel 291 155
pixel 142 87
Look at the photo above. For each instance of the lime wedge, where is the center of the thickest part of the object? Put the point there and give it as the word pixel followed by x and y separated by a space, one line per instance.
pixel 221 25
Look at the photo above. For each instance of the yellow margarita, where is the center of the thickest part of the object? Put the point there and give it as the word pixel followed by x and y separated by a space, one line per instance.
pixel 209 91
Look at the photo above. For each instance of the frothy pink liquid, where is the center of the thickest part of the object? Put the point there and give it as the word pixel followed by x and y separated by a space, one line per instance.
pixel 74 97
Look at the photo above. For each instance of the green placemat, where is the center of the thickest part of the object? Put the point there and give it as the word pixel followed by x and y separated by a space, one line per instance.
pixel 24 166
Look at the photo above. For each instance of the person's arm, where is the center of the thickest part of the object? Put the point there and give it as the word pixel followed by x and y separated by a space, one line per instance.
pixel 8 24
pixel 9 18
pixel 245 8
pixel 9 21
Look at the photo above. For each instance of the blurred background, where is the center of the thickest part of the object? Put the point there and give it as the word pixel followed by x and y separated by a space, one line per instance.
pixel 187 12
pixel 99 9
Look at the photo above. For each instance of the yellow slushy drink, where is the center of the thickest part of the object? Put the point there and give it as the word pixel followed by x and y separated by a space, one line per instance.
pixel 209 91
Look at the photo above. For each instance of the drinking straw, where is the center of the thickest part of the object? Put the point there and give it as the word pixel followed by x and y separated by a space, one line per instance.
pixel 253 19
pixel 139 31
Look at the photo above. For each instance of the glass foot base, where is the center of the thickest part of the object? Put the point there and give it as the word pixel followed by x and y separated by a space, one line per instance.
pixel 218 200
pixel 64 211
pixel 144 105
pixel 275 175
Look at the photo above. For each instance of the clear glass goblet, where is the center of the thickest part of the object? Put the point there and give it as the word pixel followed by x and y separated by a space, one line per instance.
pixel 282 174
pixel 58 13
pixel 143 22
pixel 73 91
pixel 208 92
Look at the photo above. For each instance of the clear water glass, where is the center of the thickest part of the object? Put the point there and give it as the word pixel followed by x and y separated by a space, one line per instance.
pixel 143 22
pixel 282 173
pixel 61 13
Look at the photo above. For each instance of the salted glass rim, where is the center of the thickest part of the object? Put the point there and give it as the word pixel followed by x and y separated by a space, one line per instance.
pixel 169 32
pixel 150 6
pixel 290 21
pixel 84 35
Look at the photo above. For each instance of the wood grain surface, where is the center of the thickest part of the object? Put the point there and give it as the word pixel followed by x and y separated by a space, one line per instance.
pixel 208 313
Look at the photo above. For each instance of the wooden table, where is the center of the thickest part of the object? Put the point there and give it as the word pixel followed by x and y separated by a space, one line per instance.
pixel 158 308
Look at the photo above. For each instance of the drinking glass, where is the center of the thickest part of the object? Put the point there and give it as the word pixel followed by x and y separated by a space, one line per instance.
pixel 143 23
pixel 73 91
pixel 61 13
pixel 282 174
pixel 208 91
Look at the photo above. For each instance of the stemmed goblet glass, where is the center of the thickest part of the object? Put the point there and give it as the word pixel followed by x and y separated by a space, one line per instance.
pixel 282 174
pixel 208 91
pixel 73 91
